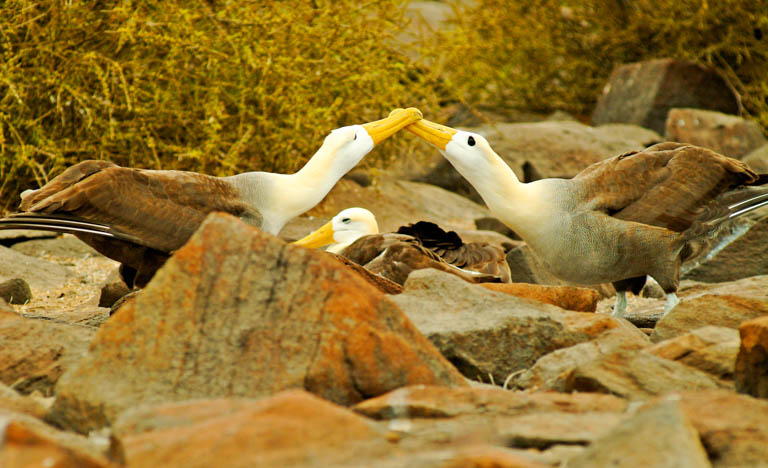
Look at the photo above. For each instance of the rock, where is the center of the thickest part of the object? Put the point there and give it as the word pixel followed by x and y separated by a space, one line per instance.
pixel 26 441
pixel 565 297
pixel 710 349
pixel 394 203
pixel 425 401
pixel 546 149
pixel 731 426
pixel 34 353
pixel 247 317
pixel 15 291
pixel 752 360
pixel 730 135
pixel 40 274
pixel 636 375
pixel 487 334
pixel 112 292
pixel 758 159
pixel 11 400
pixel 551 371
pixel 9 237
pixel 724 310
pixel 292 428
pixel 643 93
pixel 525 267
pixel 60 249
pixel 657 436
pixel 544 430
pixel 743 255
pixel 491 457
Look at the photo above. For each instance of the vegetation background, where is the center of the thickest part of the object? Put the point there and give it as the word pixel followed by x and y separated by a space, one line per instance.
pixel 231 86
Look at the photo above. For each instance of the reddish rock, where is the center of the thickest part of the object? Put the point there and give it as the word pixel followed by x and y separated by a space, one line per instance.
pixel 723 310
pixel 565 297
pixel 710 349
pixel 22 447
pixel 730 135
pixel 636 375
pixel 490 457
pixel 34 353
pixel 237 312
pixel 10 400
pixel 643 93
pixel 425 401
pixel 293 428
pixel 752 360
pixel 731 426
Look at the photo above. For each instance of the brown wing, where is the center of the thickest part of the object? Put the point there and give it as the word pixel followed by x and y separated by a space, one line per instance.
pixel 161 208
pixel 667 185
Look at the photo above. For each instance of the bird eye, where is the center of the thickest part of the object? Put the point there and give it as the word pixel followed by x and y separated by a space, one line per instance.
pixel 346 220
pixel 355 137
pixel 471 141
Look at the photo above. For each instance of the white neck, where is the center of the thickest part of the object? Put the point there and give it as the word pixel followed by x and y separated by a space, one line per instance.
pixel 513 202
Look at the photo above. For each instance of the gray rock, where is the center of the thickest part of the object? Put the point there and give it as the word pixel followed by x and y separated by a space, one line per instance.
pixel 643 93
pixel 60 248
pixel 758 159
pixel 487 334
pixel 659 436
pixel 636 375
pixel 40 274
pixel 15 291
pixel 11 236
pixel 543 430
pixel 550 371
pixel 730 135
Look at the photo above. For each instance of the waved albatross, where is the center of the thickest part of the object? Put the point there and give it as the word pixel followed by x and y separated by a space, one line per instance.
pixel 139 217
pixel 354 234
pixel 618 220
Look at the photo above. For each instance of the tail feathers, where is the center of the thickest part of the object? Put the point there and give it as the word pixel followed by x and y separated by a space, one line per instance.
pixel 57 223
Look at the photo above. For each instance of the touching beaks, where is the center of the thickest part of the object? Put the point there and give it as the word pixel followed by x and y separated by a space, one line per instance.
pixel 398 119
pixel 434 133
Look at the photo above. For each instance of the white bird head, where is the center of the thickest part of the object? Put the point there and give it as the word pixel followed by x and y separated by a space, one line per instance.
pixel 463 149
pixel 342 230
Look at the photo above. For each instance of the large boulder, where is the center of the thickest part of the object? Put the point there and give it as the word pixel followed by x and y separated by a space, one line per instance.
pixel 487 334
pixel 752 359
pixel 237 312
pixel 658 436
pixel 546 149
pixel 730 135
pixel 643 93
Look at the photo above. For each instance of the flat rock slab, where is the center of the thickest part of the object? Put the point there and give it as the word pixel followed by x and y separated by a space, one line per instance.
pixel 710 349
pixel 566 297
pixel 552 370
pixel 40 274
pixel 730 135
pixel 752 360
pixel 636 375
pixel 59 249
pixel 731 426
pixel 11 236
pixel 487 334
pixel 237 312
pixel 659 436
pixel 35 353
pixel 724 310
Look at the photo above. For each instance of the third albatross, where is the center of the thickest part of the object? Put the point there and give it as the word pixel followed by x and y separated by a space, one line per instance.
pixel 618 220
pixel 140 217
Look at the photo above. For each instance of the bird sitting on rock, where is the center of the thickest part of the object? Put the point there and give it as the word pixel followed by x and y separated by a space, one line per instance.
pixel 354 234
pixel 619 220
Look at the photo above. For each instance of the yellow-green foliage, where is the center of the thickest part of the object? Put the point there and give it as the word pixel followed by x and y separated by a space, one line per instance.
pixel 557 54
pixel 216 86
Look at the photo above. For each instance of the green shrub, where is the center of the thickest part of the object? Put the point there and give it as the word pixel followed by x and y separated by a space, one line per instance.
pixel 214 86
pixel 545 55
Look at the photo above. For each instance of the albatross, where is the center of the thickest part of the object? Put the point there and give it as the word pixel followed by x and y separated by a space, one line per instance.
pixel 354 234
pixel 139 217
pixel 620 220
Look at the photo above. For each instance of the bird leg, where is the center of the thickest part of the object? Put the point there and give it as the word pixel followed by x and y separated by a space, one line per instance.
pixel 620 307
pixel 672 301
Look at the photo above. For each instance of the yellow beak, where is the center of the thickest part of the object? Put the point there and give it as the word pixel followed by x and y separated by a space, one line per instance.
pixel 318 238
pixel 436 134
pixel 398 119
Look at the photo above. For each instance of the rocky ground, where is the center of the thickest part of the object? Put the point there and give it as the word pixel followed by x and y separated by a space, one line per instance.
pixel 247 351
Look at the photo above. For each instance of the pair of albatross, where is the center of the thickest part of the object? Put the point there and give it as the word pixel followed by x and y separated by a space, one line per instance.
pixel 619 220
pixel 354 234
pixel 140 217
